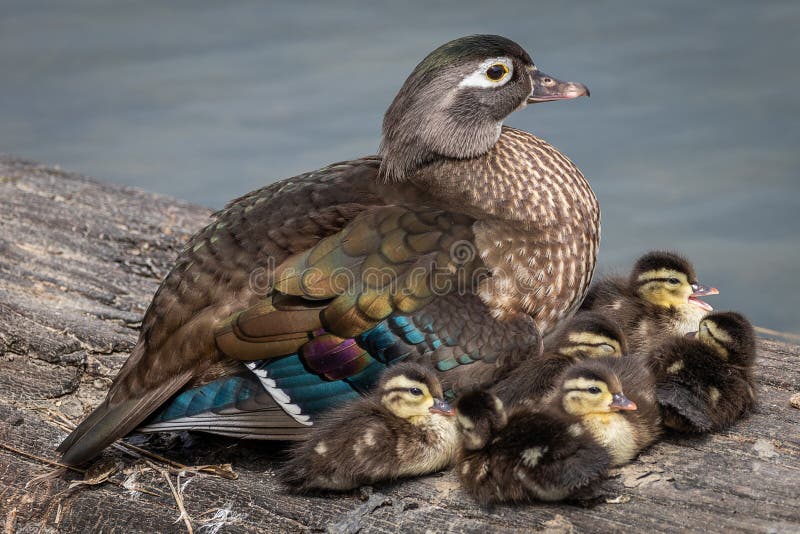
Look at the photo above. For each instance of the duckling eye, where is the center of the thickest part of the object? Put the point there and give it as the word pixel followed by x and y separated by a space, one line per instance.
pixel 674 281
pixel 415 391
pixel 594 390
pixel 605 347
pixel 496 72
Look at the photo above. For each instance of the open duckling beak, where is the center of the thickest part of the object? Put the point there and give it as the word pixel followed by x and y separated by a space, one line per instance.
pixel 442 407
pixel 621 403
pixel 699 290
pixel 547 89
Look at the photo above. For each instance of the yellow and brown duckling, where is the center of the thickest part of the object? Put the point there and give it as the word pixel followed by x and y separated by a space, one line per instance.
pixel 403 428
pixel 704 382
pixel 582 429
pixel 623 432
pixel 524 455
pixel 661 296
pixel 586 335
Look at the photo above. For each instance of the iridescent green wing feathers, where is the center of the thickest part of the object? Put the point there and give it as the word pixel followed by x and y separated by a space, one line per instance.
pixel 416 266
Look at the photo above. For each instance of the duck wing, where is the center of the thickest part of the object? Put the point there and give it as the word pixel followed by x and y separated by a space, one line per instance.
pixel 219 272
pixel 399 283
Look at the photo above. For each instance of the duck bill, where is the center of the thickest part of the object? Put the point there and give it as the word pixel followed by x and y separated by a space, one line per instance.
pixel 548 89
pixel 442 407
pixel 621 403
pixel 699 290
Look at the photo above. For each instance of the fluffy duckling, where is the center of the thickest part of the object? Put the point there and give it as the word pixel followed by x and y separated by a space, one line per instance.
pixel 531 455
pixel 623 432
pixel 403 428
pixel 705 382
pixel 586 335
pixel 661 296
pixel 582 429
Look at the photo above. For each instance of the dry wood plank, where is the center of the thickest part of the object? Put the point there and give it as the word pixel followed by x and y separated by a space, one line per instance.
pixel 79 262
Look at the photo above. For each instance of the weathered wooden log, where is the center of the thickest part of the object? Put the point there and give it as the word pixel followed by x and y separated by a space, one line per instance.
pixel 79 262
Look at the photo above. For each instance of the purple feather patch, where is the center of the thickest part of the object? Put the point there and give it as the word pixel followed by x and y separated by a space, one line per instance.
pixel 333 357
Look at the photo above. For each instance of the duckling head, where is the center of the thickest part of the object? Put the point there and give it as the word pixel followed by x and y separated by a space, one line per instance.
pixel 591 387
pixel 455 101
pixel 730 334
pixel 668 280
pixel 479 415
pixel 591 335
pixel 413 392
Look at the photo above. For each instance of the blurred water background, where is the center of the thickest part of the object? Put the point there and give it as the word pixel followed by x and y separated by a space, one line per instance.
pixel 690 138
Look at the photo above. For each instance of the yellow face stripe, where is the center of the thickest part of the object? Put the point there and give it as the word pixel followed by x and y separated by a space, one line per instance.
pixel 595 344
pixel 655 274
pixel 402 403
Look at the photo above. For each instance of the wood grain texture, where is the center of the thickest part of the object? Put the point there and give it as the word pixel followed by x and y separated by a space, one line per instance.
pixel 79 262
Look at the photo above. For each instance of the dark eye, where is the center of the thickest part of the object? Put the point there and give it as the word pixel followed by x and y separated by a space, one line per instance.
pixel 496 72
pixel 674 281
pixel 594 390
pixel 415 391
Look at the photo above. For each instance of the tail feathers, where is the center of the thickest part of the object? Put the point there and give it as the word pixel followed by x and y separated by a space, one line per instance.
pixel 110 421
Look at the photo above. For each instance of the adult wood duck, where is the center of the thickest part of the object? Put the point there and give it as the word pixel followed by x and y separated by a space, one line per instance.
pixel 660 298
pixel 450 248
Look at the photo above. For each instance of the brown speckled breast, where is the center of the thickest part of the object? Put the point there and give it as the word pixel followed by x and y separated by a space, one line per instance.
pixel 537 223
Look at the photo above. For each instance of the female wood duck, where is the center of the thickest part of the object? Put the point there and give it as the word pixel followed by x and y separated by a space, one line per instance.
pixel 550 452
pixel 586 335
pixel 704 383
pixel 402 428
pixel 660 297
pixel 452 247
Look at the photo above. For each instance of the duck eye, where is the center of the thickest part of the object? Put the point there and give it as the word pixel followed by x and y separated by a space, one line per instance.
pixel 594 390
pixel 415 391
pixel 608 349
pixel 674 281
pixel 496 72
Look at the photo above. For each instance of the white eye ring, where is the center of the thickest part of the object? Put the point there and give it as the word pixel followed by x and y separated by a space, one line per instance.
pixel 478 78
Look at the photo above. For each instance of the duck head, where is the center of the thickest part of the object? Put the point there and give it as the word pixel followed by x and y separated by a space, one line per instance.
pixel 668 280
pixel 591 387
pixel 479 415
pixel 413 392
pixel 455 101
pixel 730 334
pixel 590 335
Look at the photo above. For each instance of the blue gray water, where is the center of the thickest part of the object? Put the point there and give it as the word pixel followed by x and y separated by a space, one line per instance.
pixel 690 138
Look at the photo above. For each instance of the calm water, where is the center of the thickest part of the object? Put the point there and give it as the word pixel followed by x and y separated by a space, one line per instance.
pixel 690 138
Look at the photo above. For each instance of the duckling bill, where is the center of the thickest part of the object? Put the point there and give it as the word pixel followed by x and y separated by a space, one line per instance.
pixel 404 428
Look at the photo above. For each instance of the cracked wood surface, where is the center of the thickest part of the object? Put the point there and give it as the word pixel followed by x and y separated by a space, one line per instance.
pixel 79 262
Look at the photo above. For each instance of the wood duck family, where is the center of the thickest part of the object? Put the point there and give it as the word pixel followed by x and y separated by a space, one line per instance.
pixel 447 268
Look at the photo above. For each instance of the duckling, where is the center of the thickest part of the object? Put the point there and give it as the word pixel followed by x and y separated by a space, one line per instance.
pixel 584 427
pixel 586 335
pixel 402 429
pixel 704 383
pixel 531 455
pixel 660 297
pixel 624 430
